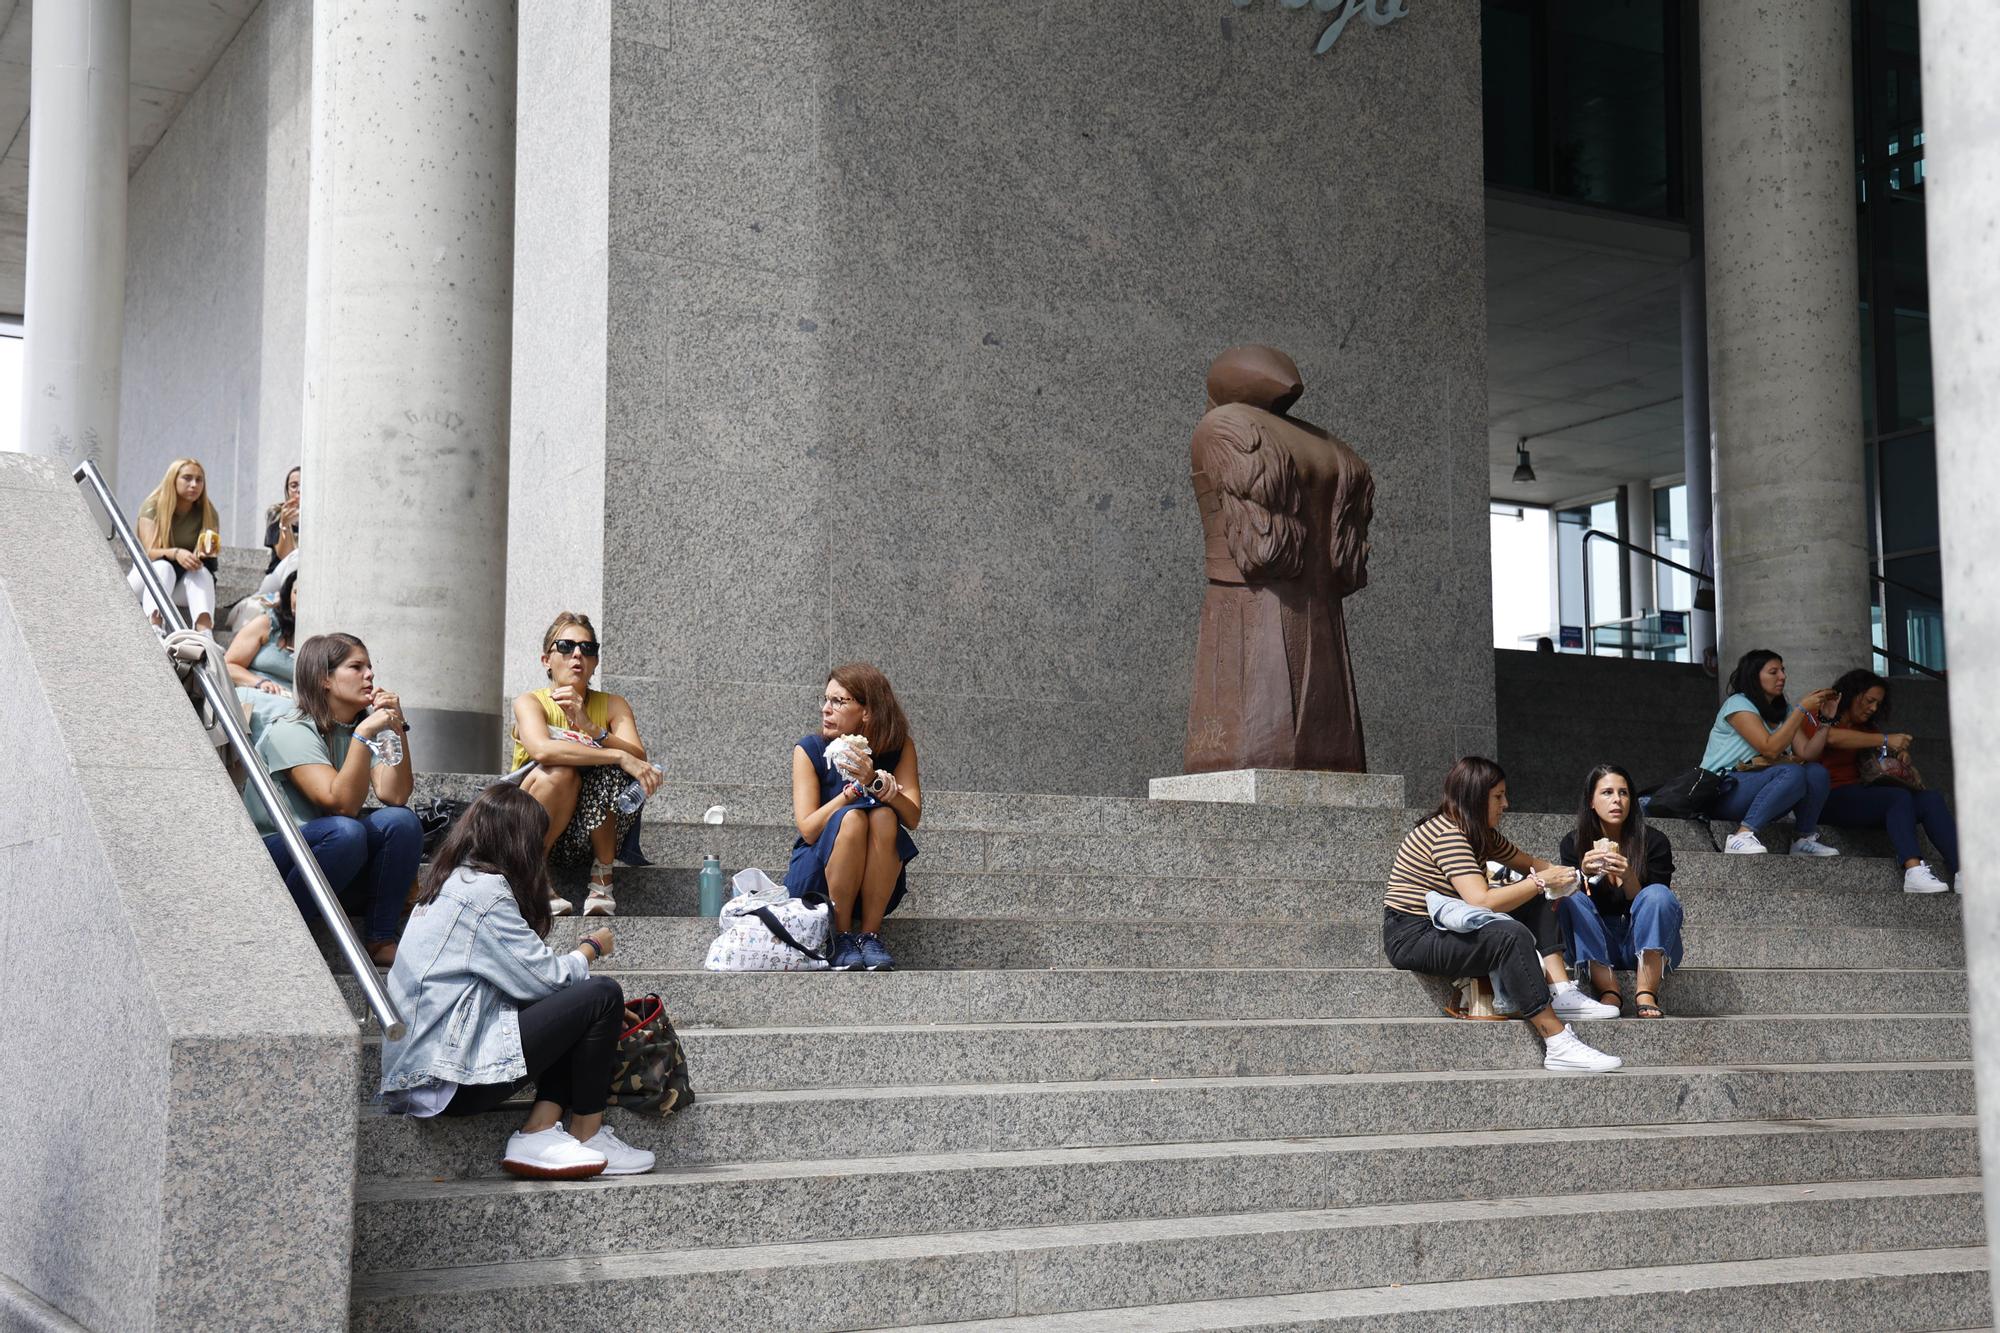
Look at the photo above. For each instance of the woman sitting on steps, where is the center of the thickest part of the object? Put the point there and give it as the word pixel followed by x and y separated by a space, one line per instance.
pixel 1439 873
pixel 321 757
pixel 181 536
pixel 857 864
pixel 1756 737
pixel 586 746
pixel 1629 919
pixel 1863 703
pixel 262 660
pixel 490 1007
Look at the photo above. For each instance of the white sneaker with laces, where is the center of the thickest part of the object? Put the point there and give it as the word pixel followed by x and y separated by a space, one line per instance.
pixel 621 1158
pixel 1567 1054
pixel 1744 844
pixel 560 906
pixel 1571 1004
pixel 551 1154
pixel 1920 878
pixel 1813 847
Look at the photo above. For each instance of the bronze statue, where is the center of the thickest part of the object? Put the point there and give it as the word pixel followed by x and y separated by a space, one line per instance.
pixel 1284 511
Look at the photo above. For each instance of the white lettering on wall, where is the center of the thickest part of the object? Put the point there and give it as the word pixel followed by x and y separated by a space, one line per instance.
pixel 1380 13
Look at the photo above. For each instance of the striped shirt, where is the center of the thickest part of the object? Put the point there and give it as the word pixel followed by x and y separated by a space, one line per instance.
pixel 1434 851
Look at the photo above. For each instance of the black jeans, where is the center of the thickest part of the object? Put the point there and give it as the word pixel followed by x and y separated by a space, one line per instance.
pixel 1513 948
pixel 569 1041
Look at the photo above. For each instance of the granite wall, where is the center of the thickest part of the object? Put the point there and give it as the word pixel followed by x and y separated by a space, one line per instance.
pixel 215 279
pixel 179 1072
pixel 908 311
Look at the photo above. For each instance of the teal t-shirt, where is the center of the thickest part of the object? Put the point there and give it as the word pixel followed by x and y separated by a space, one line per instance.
pixel 290 741
pixel 1726 746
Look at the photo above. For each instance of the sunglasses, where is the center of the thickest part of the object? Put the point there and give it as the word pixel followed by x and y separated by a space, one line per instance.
pixel 564 647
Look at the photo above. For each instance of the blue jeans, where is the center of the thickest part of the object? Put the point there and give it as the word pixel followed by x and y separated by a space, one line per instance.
pixel 371 863
pixel 1653 922
pixel 1900 811
pixel 1763 796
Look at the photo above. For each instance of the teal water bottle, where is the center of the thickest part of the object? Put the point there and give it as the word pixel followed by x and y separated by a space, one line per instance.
pixel 711 887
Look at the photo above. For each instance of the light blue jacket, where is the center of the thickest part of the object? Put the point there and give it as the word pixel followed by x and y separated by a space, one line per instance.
pixel 464 967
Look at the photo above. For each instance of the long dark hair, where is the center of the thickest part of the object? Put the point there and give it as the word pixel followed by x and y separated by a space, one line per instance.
pixel 288 624
pixel 501 834
pixel 318 658
pixel 1467 788
pixel 1744 681
pixel 1589 828
pixel 1852 685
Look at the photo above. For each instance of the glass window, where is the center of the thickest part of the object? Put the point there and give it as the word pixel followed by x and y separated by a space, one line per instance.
pixel 1674 589
pixel 1589 593
pixel 1909 494
pixel 1913 611
pixel 1521 575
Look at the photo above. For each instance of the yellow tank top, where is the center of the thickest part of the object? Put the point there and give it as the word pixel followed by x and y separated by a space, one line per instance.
pixel 596 707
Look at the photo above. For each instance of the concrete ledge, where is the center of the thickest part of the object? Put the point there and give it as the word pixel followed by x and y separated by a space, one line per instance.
pixel 1274 786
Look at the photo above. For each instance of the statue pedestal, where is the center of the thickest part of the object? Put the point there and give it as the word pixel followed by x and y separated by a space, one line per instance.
pixel 1282 786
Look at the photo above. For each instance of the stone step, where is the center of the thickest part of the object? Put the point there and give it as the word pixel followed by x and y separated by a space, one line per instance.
pixel 925 1054
pixel 877 1122
pixel 1041 1271
pixel 674 891
pixel 455 1223
pixel 798 999
pixel 664 942
pixel 1903 1289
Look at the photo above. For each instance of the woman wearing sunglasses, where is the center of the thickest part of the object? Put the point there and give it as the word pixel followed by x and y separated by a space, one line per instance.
pixel 586 748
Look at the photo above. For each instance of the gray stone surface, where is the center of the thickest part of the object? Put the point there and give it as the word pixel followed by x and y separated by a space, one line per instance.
pixel 1784 350
pixel 921 298
pixel 215 280
pixel 1265 786
pixel 129 1160
pixel 407 353
pixel 772 1203
pixel 1046 1270
pixel 1961 40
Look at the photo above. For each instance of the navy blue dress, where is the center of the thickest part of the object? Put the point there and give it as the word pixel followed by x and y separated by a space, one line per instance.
pixel 807 872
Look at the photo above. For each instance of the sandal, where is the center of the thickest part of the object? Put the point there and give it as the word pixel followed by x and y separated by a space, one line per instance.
pixel 1645 1008
pixel 1612 996
pixel 599 901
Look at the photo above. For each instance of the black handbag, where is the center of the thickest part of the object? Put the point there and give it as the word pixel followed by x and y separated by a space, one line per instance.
pixel 1689 795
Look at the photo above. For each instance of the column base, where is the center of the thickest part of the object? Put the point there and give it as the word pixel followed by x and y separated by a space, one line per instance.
pixel 1280 786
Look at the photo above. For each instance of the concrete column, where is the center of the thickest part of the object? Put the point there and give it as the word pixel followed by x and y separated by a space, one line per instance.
pixel 1642 592
pixel 74 303
pixel 1697 457
pixel 409 329
pixel 1784 347
pixel 1961 45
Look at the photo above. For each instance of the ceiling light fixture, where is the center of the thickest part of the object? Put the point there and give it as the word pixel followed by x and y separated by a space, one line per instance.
pixel 1524 471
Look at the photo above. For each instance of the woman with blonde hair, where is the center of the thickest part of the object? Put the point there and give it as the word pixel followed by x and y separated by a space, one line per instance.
pixel 857 865
pixel 181 536
pixel 586 748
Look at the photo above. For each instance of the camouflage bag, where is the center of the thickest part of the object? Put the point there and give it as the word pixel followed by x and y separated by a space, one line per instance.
pixel 650 1073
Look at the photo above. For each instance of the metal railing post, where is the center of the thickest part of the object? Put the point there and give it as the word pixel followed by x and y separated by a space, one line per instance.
pixel 222 701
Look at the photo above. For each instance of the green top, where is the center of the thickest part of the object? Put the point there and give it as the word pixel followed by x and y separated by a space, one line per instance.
pixel 185 530
pixel 290 741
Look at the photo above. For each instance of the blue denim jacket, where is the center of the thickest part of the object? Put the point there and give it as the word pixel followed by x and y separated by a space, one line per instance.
pixel 464 967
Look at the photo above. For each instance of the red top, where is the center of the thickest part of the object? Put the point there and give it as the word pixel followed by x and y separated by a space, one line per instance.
pixel 1840 765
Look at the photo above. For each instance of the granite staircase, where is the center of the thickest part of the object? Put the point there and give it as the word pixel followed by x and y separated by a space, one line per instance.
pixel 1142 1067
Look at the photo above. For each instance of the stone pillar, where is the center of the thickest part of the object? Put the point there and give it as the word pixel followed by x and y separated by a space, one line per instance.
pixel 1961 44
pixel 74 307
pixel 409 329
pixel 1697 458
pixel 1783 339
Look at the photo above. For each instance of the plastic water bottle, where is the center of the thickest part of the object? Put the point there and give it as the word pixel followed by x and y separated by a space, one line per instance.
pixel 634 794
pixel 711 886
pixel 387 747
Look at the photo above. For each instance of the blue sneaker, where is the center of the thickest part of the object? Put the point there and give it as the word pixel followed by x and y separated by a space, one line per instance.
pixel 874 956
pixel 846 953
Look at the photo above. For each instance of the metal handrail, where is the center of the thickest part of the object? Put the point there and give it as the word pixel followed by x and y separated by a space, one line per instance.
pixel 1888 582
pixel 1654 556
pixel 223 705
pixel 1903 661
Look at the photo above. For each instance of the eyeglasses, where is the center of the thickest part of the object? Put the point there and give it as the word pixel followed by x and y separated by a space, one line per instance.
pixel 564 647
pixel 835 701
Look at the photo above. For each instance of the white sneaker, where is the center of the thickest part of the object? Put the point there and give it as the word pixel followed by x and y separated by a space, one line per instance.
pixel 621 1158
pixel 1813 847
pixel 1571 1004
pixel 551 1154
pixel 1919 878
pixel 600 902
pixel 1566 1054
pixel 1744 844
